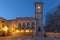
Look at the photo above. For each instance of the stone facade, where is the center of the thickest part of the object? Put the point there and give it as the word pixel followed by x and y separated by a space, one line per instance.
pixel 53 26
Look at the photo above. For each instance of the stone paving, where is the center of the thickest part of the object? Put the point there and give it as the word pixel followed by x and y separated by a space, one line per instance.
pixel 27 38
pixel 51 38
pixel 19 38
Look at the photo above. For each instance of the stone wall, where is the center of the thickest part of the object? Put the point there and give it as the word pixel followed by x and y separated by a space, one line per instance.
pixel 53 35
pixel 51 39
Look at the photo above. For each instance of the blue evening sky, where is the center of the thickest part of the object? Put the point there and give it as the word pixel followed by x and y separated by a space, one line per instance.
pixel 10 9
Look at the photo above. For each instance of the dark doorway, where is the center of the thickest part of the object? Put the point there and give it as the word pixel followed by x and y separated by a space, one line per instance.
pixel 39 29
pixel 3 34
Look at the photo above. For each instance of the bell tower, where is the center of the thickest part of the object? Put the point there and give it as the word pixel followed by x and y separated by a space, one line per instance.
pixel 39 16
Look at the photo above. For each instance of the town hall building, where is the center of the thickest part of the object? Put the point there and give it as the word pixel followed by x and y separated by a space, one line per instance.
pixel 33 24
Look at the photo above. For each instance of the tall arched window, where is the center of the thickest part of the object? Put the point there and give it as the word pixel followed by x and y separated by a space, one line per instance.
pixel 19 25
pixel 23 26
pixel 32 25
pixel 28 25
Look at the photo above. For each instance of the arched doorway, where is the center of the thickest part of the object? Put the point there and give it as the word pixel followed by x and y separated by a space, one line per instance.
pixel 39 29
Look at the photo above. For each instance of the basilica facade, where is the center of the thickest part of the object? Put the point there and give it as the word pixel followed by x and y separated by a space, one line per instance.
pixel 29 23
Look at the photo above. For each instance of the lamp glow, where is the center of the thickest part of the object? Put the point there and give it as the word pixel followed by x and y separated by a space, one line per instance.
pixel 17 31
pixel 22 30
pixel 26 30
pixel 5 28
pixel 31 30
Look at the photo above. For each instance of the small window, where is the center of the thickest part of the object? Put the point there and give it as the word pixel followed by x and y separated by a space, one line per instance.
pixel 3 21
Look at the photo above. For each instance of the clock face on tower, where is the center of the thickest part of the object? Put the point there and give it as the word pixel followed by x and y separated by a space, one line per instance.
pixel 38 8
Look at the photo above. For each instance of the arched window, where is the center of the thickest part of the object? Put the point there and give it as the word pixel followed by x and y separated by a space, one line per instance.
pixel 23 26
pixel 19 25
pixel 32 25
pixel 28 25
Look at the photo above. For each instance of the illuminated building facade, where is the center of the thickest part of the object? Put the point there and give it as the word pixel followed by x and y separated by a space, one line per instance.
pixel 25 24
